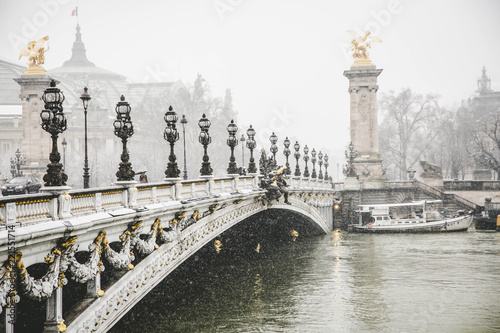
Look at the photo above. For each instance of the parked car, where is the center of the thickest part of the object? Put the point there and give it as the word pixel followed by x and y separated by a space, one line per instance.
pixel 20 185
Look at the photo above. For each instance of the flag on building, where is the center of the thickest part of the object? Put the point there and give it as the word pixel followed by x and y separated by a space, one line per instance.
pixel 75 11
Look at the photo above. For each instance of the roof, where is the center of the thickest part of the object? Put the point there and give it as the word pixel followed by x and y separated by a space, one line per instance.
pixel 11 110
pixel 413 203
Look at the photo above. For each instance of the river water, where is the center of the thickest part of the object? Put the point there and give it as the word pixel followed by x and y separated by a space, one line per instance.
pixel 338 282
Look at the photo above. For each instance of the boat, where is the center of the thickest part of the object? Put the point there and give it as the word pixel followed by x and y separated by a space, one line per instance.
pixel 412 217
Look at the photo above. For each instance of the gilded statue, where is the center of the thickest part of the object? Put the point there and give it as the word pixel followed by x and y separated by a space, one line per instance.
pixel 360 46
pixel 35 52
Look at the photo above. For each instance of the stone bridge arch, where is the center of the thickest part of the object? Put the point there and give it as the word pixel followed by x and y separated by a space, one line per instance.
pixel 136 283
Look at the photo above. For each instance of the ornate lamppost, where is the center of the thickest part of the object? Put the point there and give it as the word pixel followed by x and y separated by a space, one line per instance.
pixel 251 144
pixel 232 142
pixel 313 160
pixel 124 129
pixel 287 152
pixel 306 158
pixel 242 139
pixel 296 146
pixel 205 140
pixel 65 145
pixel 320 163
pixel 349 169
pixel 85 97
pixel 274 149
pixel 171 135
pixel 54 122
pixel 326 167
pixel 15 164
pixel 184 122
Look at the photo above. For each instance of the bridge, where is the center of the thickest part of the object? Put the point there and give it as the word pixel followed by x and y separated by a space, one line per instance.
pixel 137 234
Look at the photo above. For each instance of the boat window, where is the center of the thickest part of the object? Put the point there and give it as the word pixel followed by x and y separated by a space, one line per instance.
pixel 379 218
pixel 386 217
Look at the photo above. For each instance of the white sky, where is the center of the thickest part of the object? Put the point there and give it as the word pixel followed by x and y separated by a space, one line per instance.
pixel 283 59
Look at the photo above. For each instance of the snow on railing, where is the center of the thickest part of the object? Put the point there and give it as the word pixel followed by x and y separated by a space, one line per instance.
pixel 35 208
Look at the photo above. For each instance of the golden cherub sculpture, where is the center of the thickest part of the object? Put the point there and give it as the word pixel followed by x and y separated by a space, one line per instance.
pixel 35 52
pixel 360 46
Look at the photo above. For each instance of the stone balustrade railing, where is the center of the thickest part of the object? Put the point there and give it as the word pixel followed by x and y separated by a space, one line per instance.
pixel 35 208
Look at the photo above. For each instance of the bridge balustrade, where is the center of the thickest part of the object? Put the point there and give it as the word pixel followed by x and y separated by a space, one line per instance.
pixel 36 208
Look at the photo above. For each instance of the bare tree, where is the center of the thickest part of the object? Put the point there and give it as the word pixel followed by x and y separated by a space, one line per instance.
pixel 404 132
pixel 486 139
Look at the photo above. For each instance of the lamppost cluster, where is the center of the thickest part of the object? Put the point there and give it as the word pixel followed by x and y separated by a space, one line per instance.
pixel 274 148
pixel 16 163
pixel 251 144
pixel 232 141
pixel 54 122
pixel 205 140
pixel 306 158
pixel 313 161
pixel 124 129
pixel 171 135
pixel 350 169
pixel 287 152
pixel 296 146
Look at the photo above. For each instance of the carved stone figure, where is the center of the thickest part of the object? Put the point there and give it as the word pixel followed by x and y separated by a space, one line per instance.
pixel 430 170
pixel 361 44
pixel 35 52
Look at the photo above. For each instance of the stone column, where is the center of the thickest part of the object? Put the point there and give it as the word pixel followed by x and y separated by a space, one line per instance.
pixel 364 123
pixel 36 143
pixel 54 312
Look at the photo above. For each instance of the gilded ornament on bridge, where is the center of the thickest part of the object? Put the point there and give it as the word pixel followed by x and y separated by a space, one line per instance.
pixel 34 51
pixel 360 46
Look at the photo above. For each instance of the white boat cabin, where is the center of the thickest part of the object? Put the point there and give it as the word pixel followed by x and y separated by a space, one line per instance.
pixel 397 214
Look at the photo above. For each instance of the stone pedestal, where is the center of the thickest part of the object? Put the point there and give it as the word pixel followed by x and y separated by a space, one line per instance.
pixel 351 184
pixel 53 320
pixel 36 143
pixel 432 181
pixel 364 123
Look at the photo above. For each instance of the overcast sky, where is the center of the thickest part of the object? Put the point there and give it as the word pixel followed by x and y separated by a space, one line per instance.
pixel 283 59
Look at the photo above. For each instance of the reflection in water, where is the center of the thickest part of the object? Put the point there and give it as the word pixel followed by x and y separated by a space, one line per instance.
pixel 334 283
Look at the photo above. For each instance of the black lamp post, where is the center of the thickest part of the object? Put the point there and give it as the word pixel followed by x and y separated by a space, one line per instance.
pixel 313 160
pixel 85 97
pixel 274 149
pixel 251 144
pixel 242 139
pixel 350 169
pixel 232 142
pixel 171 135
pixel 15 164
pixel 124 130
pixel 326 167
pixel 306 158
pixel 54 122
pixel 64 144
pixel 205 140
pixel 287 152
pixel 184 122
pixel 320 163
pixel 296 146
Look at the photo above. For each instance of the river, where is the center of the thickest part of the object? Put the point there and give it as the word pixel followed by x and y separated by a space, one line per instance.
pixel 338 282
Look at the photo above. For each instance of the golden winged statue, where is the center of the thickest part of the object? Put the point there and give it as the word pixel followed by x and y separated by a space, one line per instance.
pixel 360 46
pixel 35 52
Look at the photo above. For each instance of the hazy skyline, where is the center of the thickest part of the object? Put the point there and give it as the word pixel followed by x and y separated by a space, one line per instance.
pixel 283 60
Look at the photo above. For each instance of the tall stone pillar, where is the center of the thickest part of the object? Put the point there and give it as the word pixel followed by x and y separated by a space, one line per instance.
pixel 36 143
pixel 364 123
